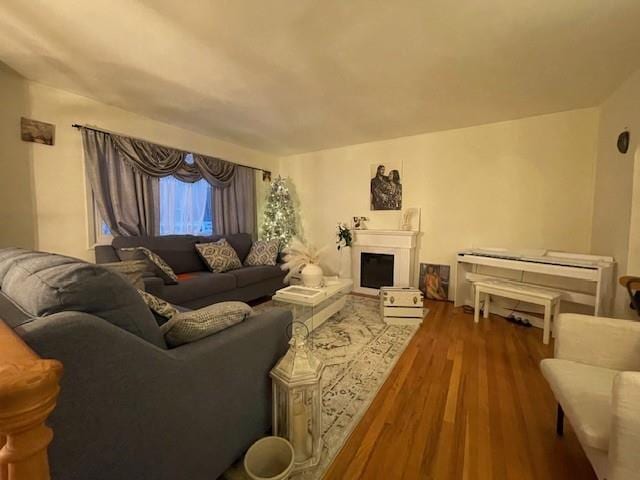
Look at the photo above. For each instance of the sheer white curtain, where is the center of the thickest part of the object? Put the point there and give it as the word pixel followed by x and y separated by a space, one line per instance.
pixel 184 207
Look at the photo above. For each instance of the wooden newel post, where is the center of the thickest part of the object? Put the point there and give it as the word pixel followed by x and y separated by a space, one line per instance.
pixel 28 393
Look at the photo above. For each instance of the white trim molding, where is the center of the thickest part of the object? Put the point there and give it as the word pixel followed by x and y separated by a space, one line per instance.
pixel 399 243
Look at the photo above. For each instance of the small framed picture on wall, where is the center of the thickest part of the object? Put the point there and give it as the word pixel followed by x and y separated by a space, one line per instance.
pixel 37 132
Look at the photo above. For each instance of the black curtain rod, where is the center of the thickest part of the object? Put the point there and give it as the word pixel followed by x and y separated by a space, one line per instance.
pixel 77 125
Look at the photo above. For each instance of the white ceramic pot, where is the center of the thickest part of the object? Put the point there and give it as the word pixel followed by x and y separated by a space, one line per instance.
pixel 345 262
pixel 312 276
pixel 270 458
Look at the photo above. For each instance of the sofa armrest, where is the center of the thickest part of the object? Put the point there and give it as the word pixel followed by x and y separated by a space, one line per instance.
pixel 624 461
pixel 598 341
pixel 266 330
pixel 213 395
pixel 106 254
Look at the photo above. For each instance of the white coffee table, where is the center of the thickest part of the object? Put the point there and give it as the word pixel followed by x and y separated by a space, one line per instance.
pixel 314 309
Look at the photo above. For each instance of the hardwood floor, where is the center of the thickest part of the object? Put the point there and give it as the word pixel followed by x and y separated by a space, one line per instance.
pixel 465 401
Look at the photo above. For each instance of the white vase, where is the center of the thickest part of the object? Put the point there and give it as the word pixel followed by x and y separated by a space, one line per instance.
pixel 345 262
pixel 312 276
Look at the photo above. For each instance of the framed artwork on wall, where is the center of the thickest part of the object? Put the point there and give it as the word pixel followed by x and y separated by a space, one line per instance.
pixel 434 281
pixel 386 186
pixel 37 132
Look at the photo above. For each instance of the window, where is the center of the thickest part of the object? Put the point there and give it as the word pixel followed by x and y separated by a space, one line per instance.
pixel 185 208
pixel 101 231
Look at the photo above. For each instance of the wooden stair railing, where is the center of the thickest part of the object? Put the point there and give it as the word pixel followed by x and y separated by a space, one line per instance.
pixel 29 388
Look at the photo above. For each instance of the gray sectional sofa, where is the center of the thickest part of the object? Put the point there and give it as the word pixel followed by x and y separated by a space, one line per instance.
pixel 197 286
pixel 129 407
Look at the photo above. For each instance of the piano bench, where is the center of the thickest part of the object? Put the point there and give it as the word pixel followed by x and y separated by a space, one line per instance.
pixel 547 298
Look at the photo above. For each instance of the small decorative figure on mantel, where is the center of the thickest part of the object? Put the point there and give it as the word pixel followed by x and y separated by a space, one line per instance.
pixel 358 223
pixel 407 216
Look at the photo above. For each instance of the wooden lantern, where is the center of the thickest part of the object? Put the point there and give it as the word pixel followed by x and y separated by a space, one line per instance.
pixel 297 400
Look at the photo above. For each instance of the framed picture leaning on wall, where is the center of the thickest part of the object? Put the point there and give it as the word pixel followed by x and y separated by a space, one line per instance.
pixel 434 281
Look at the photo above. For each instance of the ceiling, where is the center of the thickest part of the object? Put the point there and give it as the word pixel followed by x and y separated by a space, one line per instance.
pixel 287 76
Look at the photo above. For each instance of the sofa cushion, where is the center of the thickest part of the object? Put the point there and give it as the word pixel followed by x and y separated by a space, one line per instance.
pixel 241 242
pixel 263 252
pixel 132 270
pixel 584 392
pixel 219 256
pixel 177 250
pixel 47 284
pixel 186 327
pixel 198 285
pixel 157 305
pixel 157 263
pixel 9 255
pixel 250 275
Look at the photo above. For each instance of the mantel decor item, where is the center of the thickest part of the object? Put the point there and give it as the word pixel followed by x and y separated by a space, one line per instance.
pixel 297 399
pixel 37 132
pixel 344 239
pixel 358 223
pixel 407 216
pixel 304 259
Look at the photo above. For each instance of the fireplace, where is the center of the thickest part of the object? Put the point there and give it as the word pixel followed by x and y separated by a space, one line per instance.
pixel 376 270
pixel 383 258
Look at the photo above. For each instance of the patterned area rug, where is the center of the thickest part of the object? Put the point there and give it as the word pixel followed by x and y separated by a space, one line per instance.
pixel 359 350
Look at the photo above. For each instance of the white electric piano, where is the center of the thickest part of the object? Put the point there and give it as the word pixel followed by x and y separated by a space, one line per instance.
pixel 582 279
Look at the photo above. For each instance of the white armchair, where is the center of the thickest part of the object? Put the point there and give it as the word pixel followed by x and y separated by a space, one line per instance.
pixel 595 377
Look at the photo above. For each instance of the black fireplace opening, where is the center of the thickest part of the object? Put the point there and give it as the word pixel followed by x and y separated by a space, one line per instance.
pixel 376 270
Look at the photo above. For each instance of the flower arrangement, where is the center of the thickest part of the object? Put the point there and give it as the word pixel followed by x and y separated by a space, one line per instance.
pixel 299 255
pixel 343 236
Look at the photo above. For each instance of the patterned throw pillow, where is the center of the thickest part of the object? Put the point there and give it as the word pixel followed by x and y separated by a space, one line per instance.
pixel 158 306
pixel 133 270
pixel 160 267
pixel 186 327
pixel 263 252
pixel 219 256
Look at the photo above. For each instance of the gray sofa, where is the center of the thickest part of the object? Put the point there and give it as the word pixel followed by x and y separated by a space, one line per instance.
pixel 129 408
pixel 198 286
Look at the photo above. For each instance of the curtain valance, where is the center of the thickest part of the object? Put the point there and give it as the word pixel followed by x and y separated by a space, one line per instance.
pixel 160 161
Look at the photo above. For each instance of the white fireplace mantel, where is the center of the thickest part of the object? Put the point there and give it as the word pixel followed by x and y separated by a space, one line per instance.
pixel 399 243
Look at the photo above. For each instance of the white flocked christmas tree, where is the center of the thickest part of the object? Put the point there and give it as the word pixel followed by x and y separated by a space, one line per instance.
pixel 279 215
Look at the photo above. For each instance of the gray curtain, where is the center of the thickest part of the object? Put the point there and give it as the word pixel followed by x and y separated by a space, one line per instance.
pixel 127 192
pixel 234 207
pixel 215 171
pixel 159 161
pixel 127 199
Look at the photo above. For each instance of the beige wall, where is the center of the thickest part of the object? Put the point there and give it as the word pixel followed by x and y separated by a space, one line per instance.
pixel 61 190
pixel 518 184
pixel 17 211
pixel 613 231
